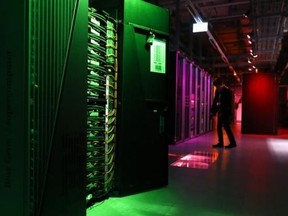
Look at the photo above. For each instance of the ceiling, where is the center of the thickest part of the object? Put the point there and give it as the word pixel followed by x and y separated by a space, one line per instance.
pixel 226 48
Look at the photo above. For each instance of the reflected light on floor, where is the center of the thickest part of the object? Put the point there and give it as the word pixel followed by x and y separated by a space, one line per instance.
pixel 135 205
pixel 197 160
pixel 278 146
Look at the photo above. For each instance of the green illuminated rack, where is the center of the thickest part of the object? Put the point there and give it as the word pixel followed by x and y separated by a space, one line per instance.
pixel 101 99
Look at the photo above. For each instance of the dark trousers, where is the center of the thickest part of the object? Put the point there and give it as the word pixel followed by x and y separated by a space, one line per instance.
pixel 225 122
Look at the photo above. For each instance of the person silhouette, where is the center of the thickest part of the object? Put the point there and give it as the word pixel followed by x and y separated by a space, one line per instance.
pixel 222 106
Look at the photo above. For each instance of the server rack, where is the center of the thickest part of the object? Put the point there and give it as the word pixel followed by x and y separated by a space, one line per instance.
pixel 186 98
pixel 178 101
pixel 44 117
pixel 192 99
pixel 102 104
pixel 208 102
pixel 199 101
pixel 141 96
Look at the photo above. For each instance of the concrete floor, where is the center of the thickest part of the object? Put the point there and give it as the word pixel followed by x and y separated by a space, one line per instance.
pixel 249 180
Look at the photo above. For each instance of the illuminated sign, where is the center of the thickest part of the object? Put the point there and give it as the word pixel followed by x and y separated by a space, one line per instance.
pixel 200 27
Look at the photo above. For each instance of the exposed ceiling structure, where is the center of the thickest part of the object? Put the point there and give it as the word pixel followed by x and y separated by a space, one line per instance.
pixel 244 36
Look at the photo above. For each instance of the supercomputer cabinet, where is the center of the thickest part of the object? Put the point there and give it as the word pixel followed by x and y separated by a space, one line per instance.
pixel 185 114
pixel 204 89
pixel 260 94
pixel 192 91
pixel 141 159
pixel 101 105
pixel 43 109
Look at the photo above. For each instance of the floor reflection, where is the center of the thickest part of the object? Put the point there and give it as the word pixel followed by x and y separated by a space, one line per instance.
pixel 196 160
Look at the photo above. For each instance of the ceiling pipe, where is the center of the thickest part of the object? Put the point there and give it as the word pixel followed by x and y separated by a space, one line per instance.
pixel 283 71
pixel 212 40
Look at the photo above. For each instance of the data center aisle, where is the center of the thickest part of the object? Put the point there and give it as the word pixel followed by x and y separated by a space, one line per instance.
pixel 249 180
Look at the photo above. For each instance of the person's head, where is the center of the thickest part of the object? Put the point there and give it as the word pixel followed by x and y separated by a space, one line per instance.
pixel 218 83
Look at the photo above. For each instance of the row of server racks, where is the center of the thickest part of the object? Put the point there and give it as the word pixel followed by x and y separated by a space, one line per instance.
pixel 193 99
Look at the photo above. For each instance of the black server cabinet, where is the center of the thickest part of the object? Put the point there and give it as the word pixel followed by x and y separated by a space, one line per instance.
pixel 43 117
pixel 141 160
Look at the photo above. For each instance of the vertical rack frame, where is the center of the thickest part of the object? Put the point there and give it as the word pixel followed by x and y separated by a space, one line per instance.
pixel 102 58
